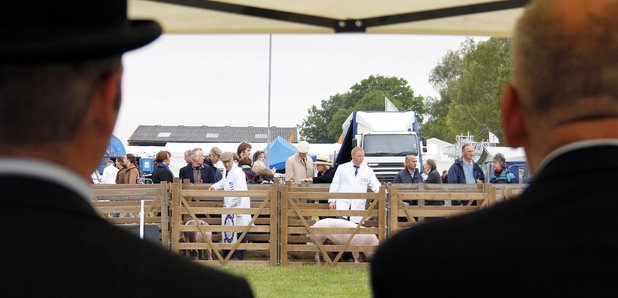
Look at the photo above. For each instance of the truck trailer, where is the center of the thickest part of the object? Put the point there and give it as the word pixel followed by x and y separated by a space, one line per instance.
pixel 386 137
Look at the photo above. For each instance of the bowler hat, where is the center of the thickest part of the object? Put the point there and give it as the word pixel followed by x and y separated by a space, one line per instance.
pixel 69 30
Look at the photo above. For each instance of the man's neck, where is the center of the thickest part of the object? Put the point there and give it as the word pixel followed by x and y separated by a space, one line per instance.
pixel 196 165
pixel 468 161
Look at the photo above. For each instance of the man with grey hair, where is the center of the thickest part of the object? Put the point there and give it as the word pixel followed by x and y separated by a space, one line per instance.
pixel 196 172
pixel 213 158
pixel 558 238
pixel 60 78
pixel 298 166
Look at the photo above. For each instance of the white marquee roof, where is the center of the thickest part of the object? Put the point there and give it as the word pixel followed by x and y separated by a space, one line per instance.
pixel 455 17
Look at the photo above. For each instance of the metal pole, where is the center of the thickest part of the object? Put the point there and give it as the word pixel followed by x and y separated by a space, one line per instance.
pixel 268 138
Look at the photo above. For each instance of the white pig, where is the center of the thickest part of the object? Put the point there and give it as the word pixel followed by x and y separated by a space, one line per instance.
pixel 340 239
pixel 198 237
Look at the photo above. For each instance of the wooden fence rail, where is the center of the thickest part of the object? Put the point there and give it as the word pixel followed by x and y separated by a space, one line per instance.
pixel 199 203
pixel 121 204
pixel 302 205
pixel 282 215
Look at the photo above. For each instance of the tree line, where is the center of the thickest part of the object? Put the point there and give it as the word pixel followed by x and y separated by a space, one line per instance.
pixel 468 80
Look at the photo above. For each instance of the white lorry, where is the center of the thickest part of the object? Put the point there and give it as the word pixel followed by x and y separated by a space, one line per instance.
pixel 386 137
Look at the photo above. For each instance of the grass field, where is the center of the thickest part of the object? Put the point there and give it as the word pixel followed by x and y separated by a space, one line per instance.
pixel 306 281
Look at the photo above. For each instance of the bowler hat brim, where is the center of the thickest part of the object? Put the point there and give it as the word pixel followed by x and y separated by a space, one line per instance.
pixel 76 43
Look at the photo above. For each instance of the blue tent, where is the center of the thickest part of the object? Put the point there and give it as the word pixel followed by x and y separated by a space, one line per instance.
pixel 280 150
pixel 114 149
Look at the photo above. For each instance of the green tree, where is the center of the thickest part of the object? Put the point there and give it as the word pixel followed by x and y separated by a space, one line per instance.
pixel 470 83
pixel 323 125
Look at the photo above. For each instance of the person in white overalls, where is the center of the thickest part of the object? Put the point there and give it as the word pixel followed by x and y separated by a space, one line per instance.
pixel 234 180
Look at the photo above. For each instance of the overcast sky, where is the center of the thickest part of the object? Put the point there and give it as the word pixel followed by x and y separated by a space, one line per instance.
pixel 220 80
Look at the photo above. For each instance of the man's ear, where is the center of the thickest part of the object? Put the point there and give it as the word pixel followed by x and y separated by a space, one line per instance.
pixel 513 117
pixel 106 102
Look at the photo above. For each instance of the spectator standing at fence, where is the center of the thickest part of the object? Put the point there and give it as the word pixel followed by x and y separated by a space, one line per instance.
pixel 410 173
pixel 162 172
pixel 324 169
pixel 245 165
pixel 558 238
pixel 234 180
pixel 465 170
pixel 68 54
pixel 109 173
pixel 132 174
pixel 196 172
pixel 444 176
pixel 121 175
pixel 265 177
pixel 299 166
pixel 212 159
pixel 244 150
pixel 187 156
pixel 433 176
pixel 500 174
pixel 354 176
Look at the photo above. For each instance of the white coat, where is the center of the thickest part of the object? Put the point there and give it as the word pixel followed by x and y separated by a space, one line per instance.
pixel 234 181
pixel 346 181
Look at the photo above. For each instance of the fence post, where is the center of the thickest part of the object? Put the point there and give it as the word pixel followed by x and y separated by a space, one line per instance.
pixel 284 225
pixel 175 209
pixel 274 227
pixel 394 210
pixel 164 196
pixel 382 214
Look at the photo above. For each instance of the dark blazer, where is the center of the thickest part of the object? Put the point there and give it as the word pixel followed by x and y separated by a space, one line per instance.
pixel 327 177
pixel 207 173
pixel 162 174
pixel 558 239
pixel 434 177
pixel 404 177
pixel 54 244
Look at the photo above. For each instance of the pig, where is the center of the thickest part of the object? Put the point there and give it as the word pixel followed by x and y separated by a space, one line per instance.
pixel 198 237
pixel 340 239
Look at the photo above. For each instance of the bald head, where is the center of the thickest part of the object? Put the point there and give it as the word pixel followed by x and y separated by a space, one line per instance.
pixel 565 61
pixel 565 76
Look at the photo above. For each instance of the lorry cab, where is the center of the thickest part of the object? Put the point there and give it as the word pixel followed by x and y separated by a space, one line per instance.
pixel 386 137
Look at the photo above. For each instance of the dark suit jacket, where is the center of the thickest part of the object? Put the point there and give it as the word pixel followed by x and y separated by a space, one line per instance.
pixel 207 173
pixel 560 238
pixel 404 177
pixel 55 245
pixel 327 177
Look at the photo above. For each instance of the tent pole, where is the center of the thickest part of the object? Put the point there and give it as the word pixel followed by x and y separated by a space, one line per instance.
pixel 270 46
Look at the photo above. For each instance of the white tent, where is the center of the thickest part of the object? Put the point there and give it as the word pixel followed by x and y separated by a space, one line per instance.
pixel 461 17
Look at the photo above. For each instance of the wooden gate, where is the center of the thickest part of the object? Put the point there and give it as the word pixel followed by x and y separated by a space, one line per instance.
pixel 302 205
pixel 198 203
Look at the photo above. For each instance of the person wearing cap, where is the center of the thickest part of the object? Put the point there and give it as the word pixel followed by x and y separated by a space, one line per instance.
pixel 109 173
pixel 234 180
pixel 500 174
pixel 60 78
pixel 212 159
pixel 325 171
pixel 299 166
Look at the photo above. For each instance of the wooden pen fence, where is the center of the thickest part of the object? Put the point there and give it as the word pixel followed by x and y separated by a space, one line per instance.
pixel 282 216
pixel 302 205
pixel 258 239
pixel 121 204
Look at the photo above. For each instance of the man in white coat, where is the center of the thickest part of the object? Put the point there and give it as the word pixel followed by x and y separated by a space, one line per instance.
pixel 354 176
pixel 234 180
pixel 109 173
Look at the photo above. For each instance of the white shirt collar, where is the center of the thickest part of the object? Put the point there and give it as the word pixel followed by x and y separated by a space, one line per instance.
pixel 575 146
pixel 45 170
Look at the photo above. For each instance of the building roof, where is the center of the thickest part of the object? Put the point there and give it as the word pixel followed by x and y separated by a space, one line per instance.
pixel 158 135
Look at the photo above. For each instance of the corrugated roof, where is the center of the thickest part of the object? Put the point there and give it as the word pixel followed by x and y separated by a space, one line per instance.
pixel 158 135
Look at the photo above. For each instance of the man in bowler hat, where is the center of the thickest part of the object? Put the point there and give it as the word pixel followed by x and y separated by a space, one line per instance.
pixel 60 74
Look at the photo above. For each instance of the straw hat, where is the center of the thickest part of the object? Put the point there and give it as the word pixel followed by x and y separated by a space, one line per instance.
pixel 323 160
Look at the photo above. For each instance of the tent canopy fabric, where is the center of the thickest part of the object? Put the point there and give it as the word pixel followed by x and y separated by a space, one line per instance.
pixel 462 17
